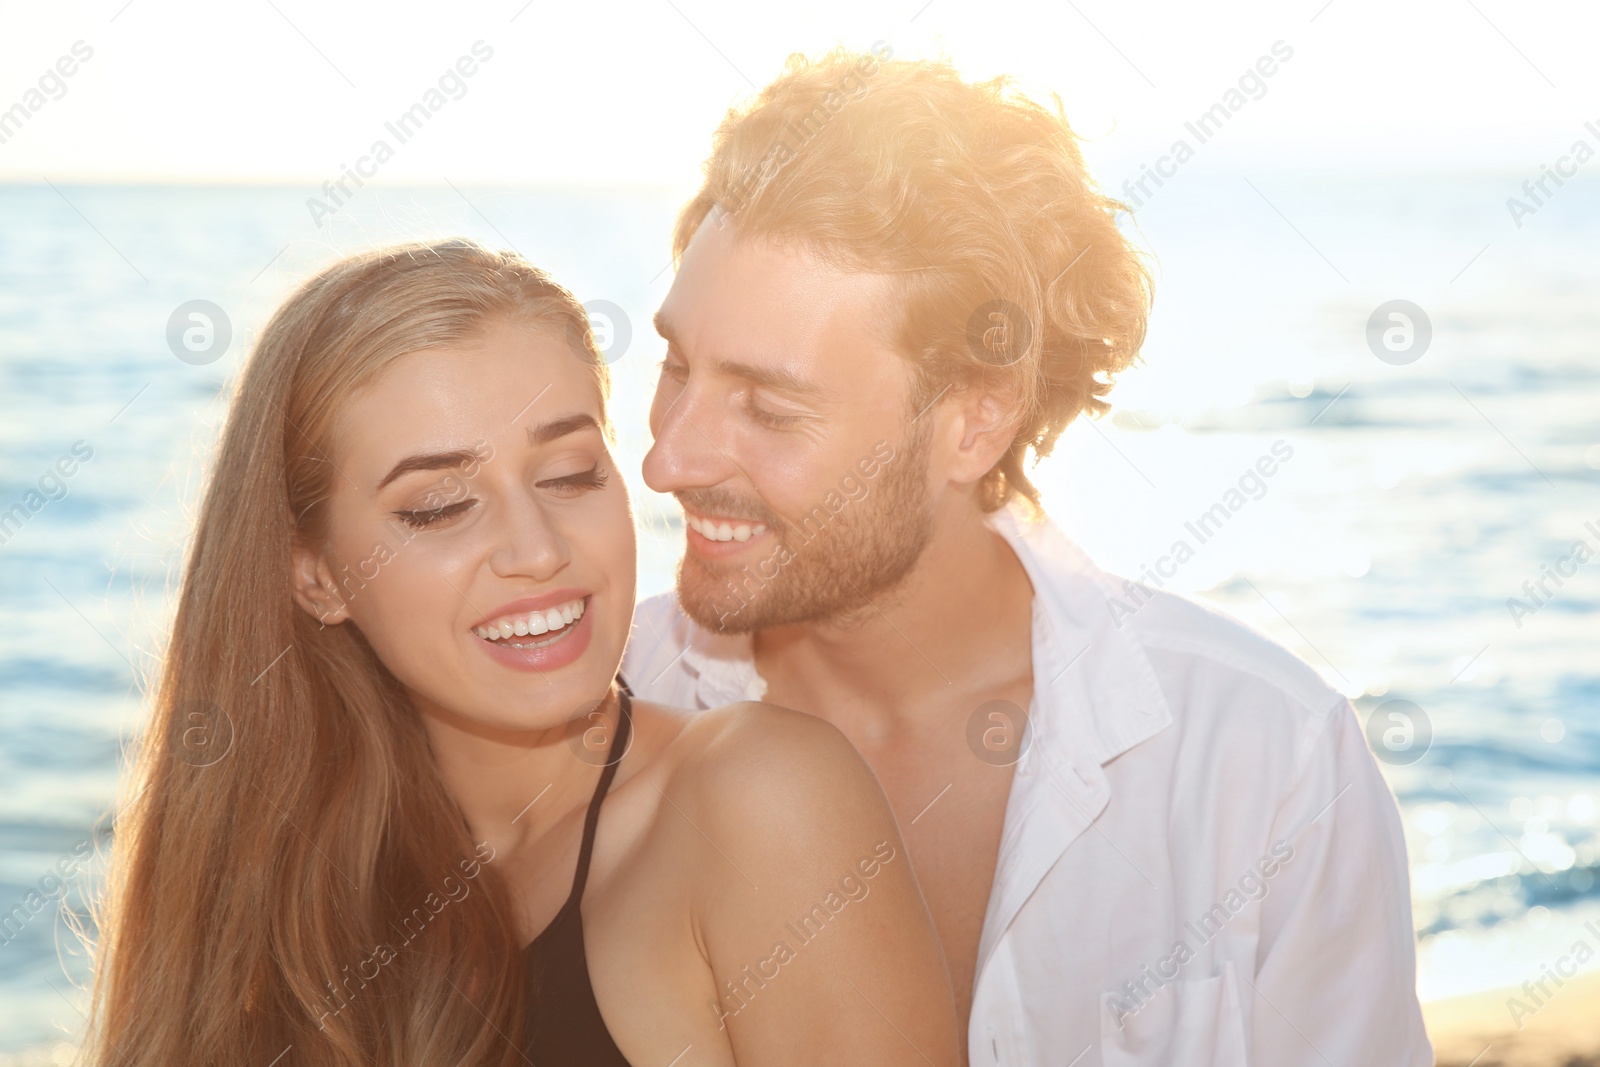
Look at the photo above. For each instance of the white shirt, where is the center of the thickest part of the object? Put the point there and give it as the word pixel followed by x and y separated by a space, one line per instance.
pixel 1200 862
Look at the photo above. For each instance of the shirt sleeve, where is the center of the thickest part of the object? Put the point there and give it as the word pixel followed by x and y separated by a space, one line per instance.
pixel 1335 980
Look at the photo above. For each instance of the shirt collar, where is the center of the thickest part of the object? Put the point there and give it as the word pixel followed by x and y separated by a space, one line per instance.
pixel 723 667
pixel 1095 695
pixel 1085 666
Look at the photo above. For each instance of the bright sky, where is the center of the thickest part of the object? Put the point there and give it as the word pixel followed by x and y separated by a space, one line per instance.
pixel 629 92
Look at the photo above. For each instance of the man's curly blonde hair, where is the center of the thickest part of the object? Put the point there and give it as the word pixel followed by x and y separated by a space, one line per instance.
pixel 1015 274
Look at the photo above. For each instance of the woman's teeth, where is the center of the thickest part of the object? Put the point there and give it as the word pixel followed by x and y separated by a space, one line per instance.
pixel 532 623
pixel 723 531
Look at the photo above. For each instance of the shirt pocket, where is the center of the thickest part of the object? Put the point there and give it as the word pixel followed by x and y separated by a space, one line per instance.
pixel 1192 1023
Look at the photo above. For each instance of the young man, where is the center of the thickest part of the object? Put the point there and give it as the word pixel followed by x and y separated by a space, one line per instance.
pixel 1146 836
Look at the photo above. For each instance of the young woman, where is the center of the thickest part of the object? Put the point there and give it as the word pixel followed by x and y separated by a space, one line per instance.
pixel 394 807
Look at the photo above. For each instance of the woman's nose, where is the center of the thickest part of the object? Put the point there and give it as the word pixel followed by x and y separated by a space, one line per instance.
pixel 527 542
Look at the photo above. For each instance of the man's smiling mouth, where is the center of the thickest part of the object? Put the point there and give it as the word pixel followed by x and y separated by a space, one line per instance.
pixel 723 529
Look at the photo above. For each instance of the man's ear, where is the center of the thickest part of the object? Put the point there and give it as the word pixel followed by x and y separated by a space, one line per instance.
pixel 312 583
pixel 985 423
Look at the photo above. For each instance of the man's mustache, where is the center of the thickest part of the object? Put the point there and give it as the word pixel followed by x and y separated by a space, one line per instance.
pixel 715 503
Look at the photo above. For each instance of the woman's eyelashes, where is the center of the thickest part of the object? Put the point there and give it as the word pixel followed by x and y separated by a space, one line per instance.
pixel 567 485
pixel 572 484
pixel 419 519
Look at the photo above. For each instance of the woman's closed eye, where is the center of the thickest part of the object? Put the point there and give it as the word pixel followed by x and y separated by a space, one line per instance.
pixel 573 484
pixel 427 517
pixel 568 485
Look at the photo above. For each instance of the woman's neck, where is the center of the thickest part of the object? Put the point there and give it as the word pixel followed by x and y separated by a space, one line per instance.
pixel 514 786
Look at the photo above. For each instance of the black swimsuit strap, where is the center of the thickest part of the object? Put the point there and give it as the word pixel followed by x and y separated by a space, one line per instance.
pixel 614 754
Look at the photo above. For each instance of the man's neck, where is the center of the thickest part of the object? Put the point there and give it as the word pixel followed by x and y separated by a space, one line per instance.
pixel 959 622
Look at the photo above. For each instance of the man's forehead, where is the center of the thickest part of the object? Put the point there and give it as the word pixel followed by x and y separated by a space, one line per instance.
pixel 731 282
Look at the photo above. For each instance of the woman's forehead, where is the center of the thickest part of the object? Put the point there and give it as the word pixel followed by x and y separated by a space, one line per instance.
pixel 488 387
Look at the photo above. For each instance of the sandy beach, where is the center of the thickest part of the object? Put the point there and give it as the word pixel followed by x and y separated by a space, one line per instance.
pixel 1479 1029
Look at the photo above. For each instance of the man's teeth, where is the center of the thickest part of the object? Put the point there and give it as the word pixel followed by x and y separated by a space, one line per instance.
pixel 723 531
pixel 531 622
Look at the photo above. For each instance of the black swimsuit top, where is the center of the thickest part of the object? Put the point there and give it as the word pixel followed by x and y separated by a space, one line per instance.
pixel 564 1025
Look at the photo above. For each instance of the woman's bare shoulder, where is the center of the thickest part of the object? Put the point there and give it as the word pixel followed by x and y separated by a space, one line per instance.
pixel 750 743
pixel 748 771
pixel 780 825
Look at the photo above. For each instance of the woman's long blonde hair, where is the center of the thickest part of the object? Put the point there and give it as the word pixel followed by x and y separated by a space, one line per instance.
pixel 285 821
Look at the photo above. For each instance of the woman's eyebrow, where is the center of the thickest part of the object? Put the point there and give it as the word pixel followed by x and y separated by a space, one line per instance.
pixel 428 461
pixel 552 429
pixel 542 434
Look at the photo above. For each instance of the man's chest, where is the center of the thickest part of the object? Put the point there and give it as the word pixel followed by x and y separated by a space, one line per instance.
pixel 951 809
pixel 947 773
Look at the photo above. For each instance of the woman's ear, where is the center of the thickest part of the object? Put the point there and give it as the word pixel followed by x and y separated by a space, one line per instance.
pixel 311 581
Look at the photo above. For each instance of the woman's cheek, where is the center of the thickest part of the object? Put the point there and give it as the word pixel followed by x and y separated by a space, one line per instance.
pixel 415 591
pixel 625 545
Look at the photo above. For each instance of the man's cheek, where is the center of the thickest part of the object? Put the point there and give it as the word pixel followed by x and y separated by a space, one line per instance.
pixel 786 491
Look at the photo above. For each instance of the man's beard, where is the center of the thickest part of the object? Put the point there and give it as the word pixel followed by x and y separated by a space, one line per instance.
pixel 825 566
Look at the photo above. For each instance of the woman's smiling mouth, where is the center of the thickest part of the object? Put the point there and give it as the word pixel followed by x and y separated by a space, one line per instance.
pixel 554 620
pixel 538 633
